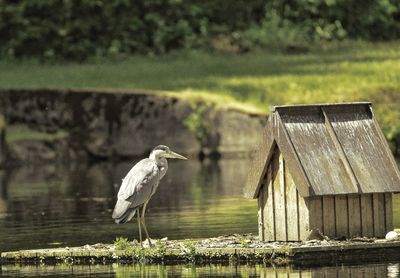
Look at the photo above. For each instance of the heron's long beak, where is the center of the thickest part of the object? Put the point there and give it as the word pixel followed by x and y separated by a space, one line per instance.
pixel 172 154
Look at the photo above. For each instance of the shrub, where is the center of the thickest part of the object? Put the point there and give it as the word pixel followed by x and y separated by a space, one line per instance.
pixel 78 29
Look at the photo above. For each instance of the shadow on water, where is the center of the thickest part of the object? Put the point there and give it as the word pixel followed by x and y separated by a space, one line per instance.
pixel 390 270
pixel 56 205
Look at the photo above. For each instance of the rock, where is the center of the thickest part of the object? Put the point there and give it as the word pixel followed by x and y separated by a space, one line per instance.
pixel 316 234
pixel 392 235
pixel 123 123
pixel 34 151
pixel 237 132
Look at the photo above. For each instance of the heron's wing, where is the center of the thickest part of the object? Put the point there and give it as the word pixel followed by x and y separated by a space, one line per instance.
pixel 138 178
pixel 121 207
pixel 136 187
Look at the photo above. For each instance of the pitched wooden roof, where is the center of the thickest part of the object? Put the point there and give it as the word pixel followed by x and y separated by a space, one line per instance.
pixel 330 149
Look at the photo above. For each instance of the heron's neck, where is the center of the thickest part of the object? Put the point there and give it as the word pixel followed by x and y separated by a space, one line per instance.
pixel 160 161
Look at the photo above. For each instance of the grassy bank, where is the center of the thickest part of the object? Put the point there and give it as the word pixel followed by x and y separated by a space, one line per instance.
pixel 342 72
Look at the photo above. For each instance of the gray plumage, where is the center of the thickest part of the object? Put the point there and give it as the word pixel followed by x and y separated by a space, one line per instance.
pixel 139 185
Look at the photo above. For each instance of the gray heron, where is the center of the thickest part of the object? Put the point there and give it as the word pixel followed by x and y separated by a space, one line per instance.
pixel 139 185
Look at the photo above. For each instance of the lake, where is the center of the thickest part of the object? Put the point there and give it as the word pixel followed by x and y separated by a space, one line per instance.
pixel 382 270
pixel 70 205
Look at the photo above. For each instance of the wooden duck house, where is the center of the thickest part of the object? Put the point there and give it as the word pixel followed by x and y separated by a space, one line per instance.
pixel 325 168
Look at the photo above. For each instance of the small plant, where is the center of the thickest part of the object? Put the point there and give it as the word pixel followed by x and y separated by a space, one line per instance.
pixel 285 249
pixel 190 249
pixel 121 243
pixel 244 243
pixel 161 248
pixel 197 123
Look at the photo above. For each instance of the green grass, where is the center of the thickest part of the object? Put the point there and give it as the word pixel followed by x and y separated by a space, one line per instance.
pixel 348 71
pixel 20 132
pixel 354 71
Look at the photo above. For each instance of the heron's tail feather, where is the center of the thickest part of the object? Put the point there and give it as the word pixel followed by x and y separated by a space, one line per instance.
pixel 126 217
pixel 123 212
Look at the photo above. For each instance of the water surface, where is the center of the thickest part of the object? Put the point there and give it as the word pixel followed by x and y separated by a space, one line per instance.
pixel 390 270
pixel 70 205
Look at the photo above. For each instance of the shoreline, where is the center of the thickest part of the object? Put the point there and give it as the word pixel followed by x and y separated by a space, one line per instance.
pixel 224 249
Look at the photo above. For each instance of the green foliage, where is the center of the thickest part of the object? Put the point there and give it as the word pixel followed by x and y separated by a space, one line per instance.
pixel 197 122
pixel 244 243
pixel 335 19
pixel 276 33
pixel 79 29
pixel 121 243
pixel 161 248
pixel 190 249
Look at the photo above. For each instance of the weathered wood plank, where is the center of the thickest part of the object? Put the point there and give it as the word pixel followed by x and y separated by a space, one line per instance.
pixel 379 215
pixel 261 207
pixel 291 207
pixel 292 159
pixel 269 216
pixel 341 216
pixel 304 220
pixel 260 162
pixel 354 215
pixel 367 216
pixel 341 153
pixel 388 212
pixel 279 197
pixel 328 203
pixel 316 152
pixel 368 156
pixel 316 213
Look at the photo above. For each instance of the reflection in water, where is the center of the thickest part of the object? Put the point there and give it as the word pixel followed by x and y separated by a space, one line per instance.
pixel 55 205
pixel 115 270
pixel 49 206
pixel 393 270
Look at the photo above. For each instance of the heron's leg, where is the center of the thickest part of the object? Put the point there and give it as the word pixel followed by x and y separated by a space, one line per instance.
pixel 144 223
pixel 140 229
